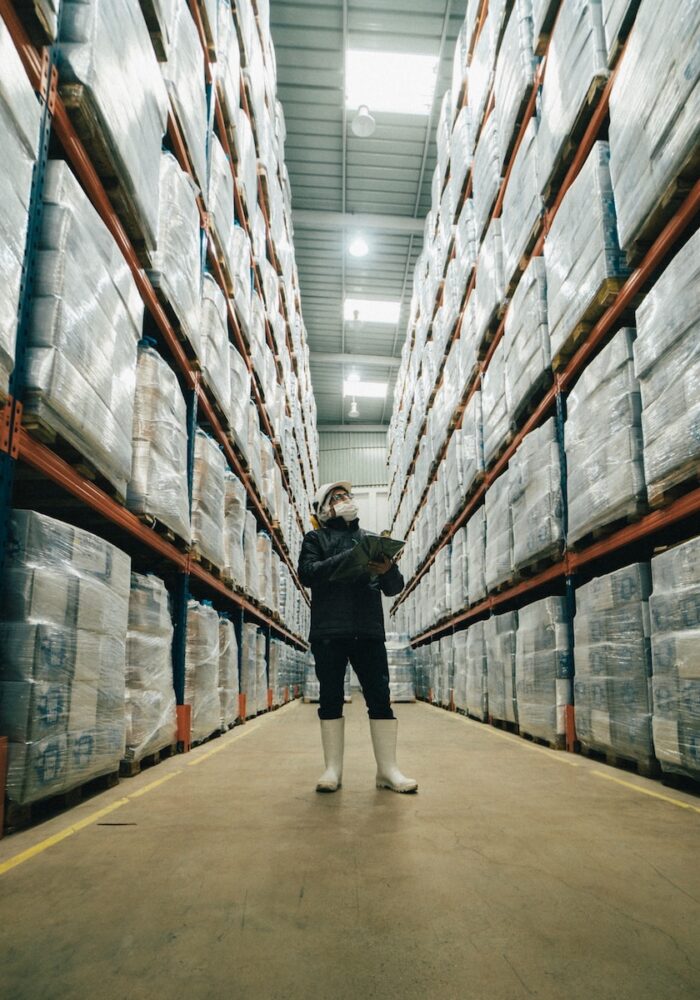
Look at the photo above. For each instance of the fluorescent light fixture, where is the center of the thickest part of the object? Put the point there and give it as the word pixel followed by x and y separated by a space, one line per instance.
pixel 353 377
pixel 358 248
pixel 397 82
pixel 369 390
pixel 372 311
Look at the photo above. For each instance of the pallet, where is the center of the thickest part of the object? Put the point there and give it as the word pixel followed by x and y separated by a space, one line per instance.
pixel 209 31
pixel 130 768
pixel 604 530
pixel 156 281
pixel 605 296
pixel 646 767
pixel 525 257
pixel 20 817
pixel 87 122
pixel 34 21
pixel 207 739
pixel 685 479
pixel 665 208
pixel 529 404
pixel 164 531
pixel 150 15
pixel 558 743
pixel 506 725
pixel 569 149
pixel 539 565
pixel 624 30
pixel 216 246
pixel 205 563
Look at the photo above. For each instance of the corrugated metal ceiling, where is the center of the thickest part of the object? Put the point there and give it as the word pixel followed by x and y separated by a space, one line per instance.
pixel 389 173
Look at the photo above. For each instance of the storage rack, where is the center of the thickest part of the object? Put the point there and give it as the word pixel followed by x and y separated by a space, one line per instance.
pixel 677 518
pixel 20 449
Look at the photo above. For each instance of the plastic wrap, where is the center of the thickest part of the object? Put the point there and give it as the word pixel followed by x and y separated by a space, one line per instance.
pixel 494 405
pixel 20 118
pixel 667 363
pixel 477 675
pixel 576 59
pixel 490 285
pixel 459 669
pixel 612 687
pixel 522 204
pixel 480 74
pixel 86 316
pixel 250 552
pixel 543 669
pixel 461 151
pixel 476 554
pixel 536 498
pixel 228 672
pixel 63 634
pixel 241 274
pixel 234 525
pixel 515 75
pixel 603 440
pixel 208 500
pixel 240 399
pixel 202 669
pixel 106 48
pixel 228 59
pixel 261 671
pixel 500 637
pixel 654 112
pixel 499 532
pixel 401 660
pixel 247 165
pixel 459 68
pixel 528 355
pixel 215 343
pixel 158 484
pixel 150 698
pixel 581 253
pixel 459 572
pixel 617 17
pixel 220 200
pixel 486 174
pixel 177 264
pixel 543 15
pixel 264 546
pixel 184 77
pixel 472 445
pixel 675 639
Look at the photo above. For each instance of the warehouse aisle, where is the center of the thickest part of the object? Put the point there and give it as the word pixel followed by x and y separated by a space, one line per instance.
pixel 515 872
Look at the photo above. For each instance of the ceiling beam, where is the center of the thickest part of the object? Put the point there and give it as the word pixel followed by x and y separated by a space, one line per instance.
pixel 351 428
pixel 382 360
pixel 308 218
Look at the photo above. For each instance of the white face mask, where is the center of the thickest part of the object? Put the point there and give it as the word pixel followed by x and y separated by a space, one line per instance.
pixel 347 509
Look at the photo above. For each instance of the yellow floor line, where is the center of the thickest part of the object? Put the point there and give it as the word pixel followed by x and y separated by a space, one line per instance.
pixel 560 756
pixel 153 784
pixel 647 791
pixel 250 728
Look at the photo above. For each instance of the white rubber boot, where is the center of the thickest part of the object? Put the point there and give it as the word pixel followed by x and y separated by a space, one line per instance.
pixel 333 740
pixel 384 733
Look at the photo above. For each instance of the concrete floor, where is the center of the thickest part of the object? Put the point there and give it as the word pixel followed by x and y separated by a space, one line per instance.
pixel 515 872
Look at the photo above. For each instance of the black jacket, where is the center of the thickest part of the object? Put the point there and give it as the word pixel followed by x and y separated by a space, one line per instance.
pixel 343 609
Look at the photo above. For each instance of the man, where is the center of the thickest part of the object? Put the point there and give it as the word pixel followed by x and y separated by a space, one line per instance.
pixel 347 624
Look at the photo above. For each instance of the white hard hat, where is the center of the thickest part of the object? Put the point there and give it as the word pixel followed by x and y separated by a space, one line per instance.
pixel 322 493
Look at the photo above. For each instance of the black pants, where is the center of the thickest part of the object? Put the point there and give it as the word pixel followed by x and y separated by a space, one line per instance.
pixel 368 659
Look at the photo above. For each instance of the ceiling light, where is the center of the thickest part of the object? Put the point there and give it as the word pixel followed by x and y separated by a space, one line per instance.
pixel 368 390
pixel 353 411
pixel 396 82
pixel 353 377
pixel 363 124
pixel 358 247
pixel 372 311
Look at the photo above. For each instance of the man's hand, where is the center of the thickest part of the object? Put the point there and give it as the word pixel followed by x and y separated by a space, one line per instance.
pixel 380 568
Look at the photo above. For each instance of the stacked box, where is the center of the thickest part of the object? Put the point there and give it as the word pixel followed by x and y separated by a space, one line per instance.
pixel 208 500
pixel 472 443
pixel 235 499
pixel 617 18
pixel 445 672
pixel 476 554
pixel 490 282
pixel 500 638
pixel 459 583
pixel 654 114
pixel 486 174
pixel 522 205
pixel 494 405
pixel 250 554
pixel 612 687
pixel 581 251
pixel 543 669
pixel 158 484
pixel 667 364
pixel 536 498
pixel 228 59
pixel 202 669
pixel 228 672
pixel 466 245
pixel 240 399
pixel 499 532
pixel 215 343
pixel 20 118
pixel 401 659
pixel 63 642
pixel 477 672
pixel 81 358
pixel 480 75
pixel 261 686
pixel 151 722
pixel 675 640
pixel 184 77
pixel 528 354
pixel 126 96
pixel 242 278
pixel 515 75
pixel 264 547
pixel 603 440
pixel 459 655
pixel 220 200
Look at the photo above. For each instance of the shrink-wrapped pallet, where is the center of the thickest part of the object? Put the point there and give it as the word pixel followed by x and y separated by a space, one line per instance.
pixel 612 686
pixel 466 246
pixel 261 688
pixel 618 16
pixel 246 165
pixel 582 256
pixel 494 405
pixel 459 68
pixel 667 364
pixel 234 524
pixel 477 675
pixel 208 500
pixel 202 669
pixel 459 658
pixel 158 483
pixel 480 76
pixel 461 152
pixel 184 77
pixel 654 114
pixel 445 671
pixel 499 636
pixel 499 532
pixel 228 60
pixel 486 174
pixel 675 640
pixel 543 16
pixel 240 399
pixel 150 697
pixel 443 135
pixel 515 75
pixel 490 284
pixel 63 634
pixel 126 98
pixel 603 441
pixel 250 552
pixel 215 343
pixel 242 278
pixel 536 498
pixel 543 669
pixel 576 66
pixel 472 444
pixel 220 200
pixel 459 579
pixel 228 672
pixel 401 661
pixel 264 544
pixel 177 264
pixel 476 554
pixel 20 117
pixel 528 355
pixel 522 206
pixel 85 322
